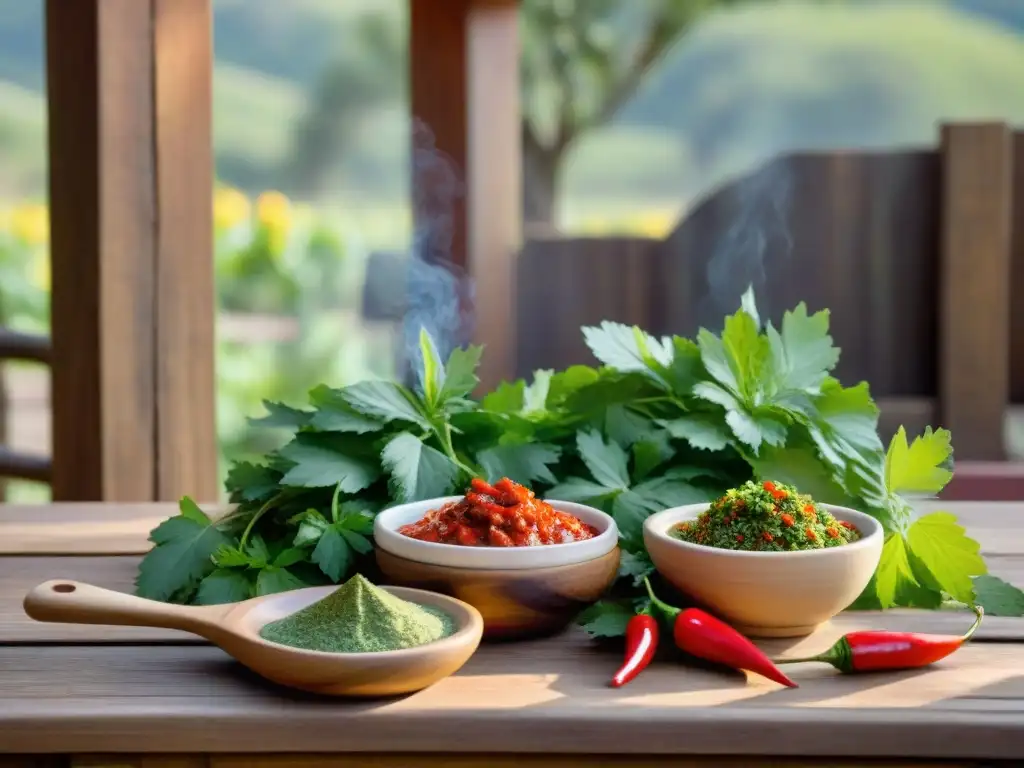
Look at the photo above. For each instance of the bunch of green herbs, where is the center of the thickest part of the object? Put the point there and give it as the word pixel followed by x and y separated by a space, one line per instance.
pixel 661 422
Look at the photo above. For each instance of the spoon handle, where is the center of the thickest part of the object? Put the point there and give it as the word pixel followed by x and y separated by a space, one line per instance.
pixel 72 602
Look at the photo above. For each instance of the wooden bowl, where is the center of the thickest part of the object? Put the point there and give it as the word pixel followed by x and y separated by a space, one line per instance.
pixel 514 604
pixel 520 591
pixel 235 627
pixel 767 594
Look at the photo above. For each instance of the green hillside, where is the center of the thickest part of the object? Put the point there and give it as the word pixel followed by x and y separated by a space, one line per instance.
pixel 746 84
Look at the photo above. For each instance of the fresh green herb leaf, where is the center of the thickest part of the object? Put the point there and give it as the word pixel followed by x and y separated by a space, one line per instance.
pixel 950 556
pixel 273 580
pixel 605 460
pixel 701 430
pixel 535 396
pixel 433 371
pixel 625 426
pixel 917 469
pixel 803 354
pixel 251 482
pixel 311 527
pixel 460 372
pixel 182 555
pixel 332 554
pixel 524 463
pixel 579 489
pixel 320 462
pixel 635 566
pixel 748 304
pixel 507 398
pixel 606 618
pixel 224 586
pixel 800 467
pixel 565 383
pixel 628 349
pixel 893 571
pixel 385 401
pixel 281 416
pixel 334 414
pixel 650 453
pixel 289 556
pixel 417 470
pixel 998 597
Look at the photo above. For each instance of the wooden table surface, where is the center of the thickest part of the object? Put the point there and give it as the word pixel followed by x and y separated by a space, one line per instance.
pixel 146 694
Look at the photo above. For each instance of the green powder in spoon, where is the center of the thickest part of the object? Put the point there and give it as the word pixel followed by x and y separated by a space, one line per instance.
pixel 359 617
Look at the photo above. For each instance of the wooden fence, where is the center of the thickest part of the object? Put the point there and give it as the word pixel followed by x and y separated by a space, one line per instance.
pixel 914 252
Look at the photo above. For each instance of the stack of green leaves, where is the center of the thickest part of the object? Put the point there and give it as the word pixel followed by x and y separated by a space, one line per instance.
pixel 661 422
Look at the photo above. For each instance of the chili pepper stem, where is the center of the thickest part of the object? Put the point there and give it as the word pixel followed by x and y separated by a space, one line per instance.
pixel 670 612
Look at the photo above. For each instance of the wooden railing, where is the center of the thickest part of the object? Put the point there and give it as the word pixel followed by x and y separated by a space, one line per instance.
pixel 18 464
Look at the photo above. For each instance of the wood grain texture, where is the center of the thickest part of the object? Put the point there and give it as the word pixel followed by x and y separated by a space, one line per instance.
pixel 102 215
pixel 186 440
pixel 549 761
pixel 524 698
pixel 974 307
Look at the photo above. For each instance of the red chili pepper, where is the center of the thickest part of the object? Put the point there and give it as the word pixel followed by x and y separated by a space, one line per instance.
pixel 702 635
pixel 870 651
pixel 641 643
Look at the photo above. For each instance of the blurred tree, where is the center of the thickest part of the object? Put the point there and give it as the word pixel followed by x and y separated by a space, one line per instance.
pixel 581 61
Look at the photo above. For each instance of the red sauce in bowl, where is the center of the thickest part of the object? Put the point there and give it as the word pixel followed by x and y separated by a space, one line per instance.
pixel 505 514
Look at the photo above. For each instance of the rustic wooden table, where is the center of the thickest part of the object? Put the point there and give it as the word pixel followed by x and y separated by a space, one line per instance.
pixel 105 696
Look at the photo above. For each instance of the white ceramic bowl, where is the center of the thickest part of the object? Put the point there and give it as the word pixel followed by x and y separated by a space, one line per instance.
pixel 767 594
pixel 387 537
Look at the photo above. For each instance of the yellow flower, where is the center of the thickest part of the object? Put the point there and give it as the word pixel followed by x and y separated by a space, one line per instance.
pixel 40 267
pixel 30 223
pixel 230 208
pixel 274 213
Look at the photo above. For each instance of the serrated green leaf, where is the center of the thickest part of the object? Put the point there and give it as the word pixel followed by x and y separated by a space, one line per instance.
pixel 334 414
pixel 281 416
pixel 849 413
pixel 578 489
pixel 251 482
pixel 332 554
pixel 433 372
pixel 417 471
pixel 257 552
pixel 573 378
pixel 191 511
pixel 635 566
pixel 524 462
pixel 605 460
pixel 320 462
pixel 705 431
pixel 289 556
pixel 460 372
pixel 716 394
pixel 745 428
pixel 803 354
pixel 686 369
pixel 224 586
pixel 311 527
pixel 386 401
pixel 670 490
pixel 535 396
pixel 629 511
pixel 628 349
pixel 182 555
pixel 625 426
pixel 951 557
pixel 892 571
pixel 606 618
pixel 230 557
pixel 998 597
pixel 801 468
pixel 918 468
pixel 507 398
pixel 650 453
pixel 608 389
pixel 354 517
pixel 357 541
pixel 273 580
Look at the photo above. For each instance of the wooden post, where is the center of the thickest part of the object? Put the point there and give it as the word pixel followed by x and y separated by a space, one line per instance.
pixel 974 310
pixel 1017 273
pixel 464 69
pixel 131 179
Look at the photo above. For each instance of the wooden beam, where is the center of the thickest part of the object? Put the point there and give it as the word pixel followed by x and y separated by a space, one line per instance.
pixel 464 70
pixel 130 185
pixel 15 345
pixel 1017 273
pixel 974 307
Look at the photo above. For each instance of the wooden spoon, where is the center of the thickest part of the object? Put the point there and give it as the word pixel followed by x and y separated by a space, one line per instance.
pixel 235 627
